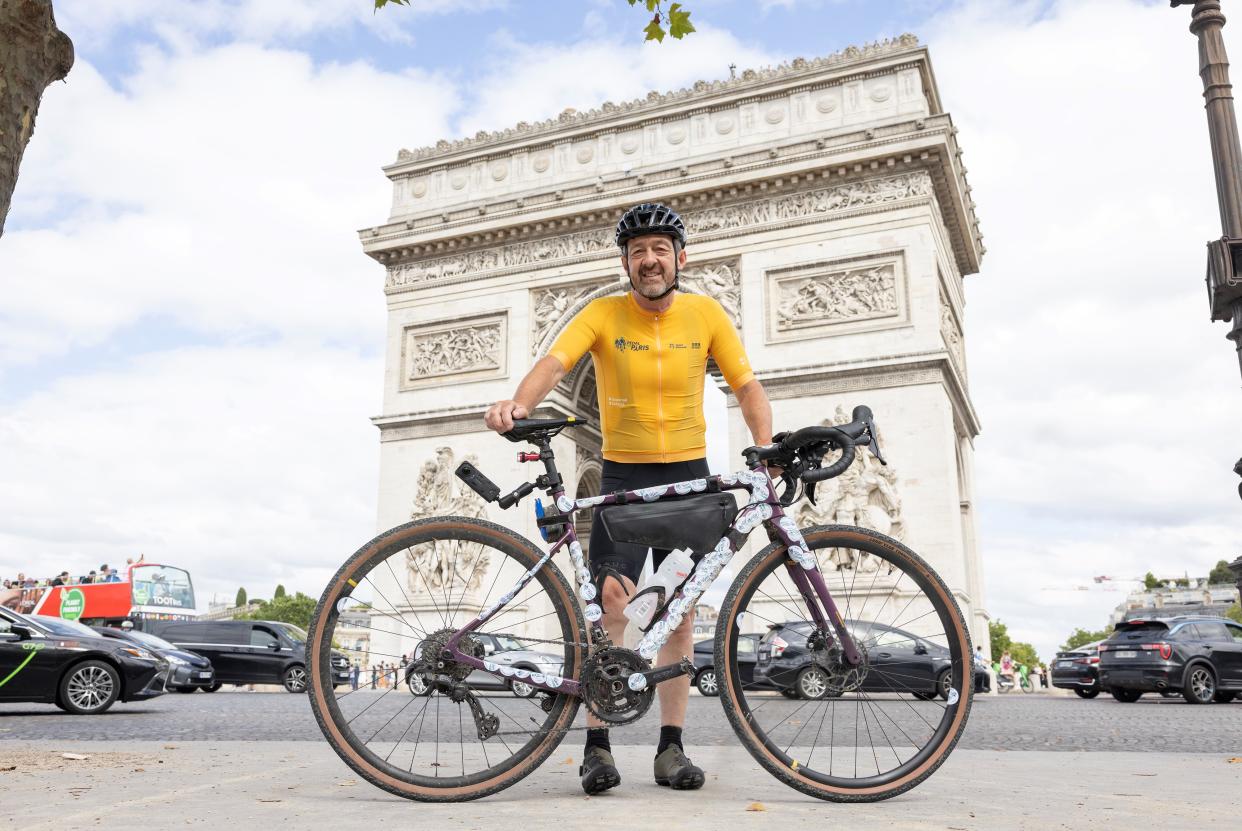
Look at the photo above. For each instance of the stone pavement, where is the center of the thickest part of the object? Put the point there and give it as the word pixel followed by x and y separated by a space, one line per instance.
pixel 146 785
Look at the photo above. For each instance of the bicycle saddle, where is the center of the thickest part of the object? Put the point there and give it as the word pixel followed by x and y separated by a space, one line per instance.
pixel 525 428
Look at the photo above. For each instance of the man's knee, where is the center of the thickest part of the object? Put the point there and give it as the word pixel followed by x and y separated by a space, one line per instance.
pixel 614 595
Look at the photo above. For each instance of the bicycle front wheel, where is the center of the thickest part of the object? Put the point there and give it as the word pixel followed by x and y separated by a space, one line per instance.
pixel 864 732
pixel 417 727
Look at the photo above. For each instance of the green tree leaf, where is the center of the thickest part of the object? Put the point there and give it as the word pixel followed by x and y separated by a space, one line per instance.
pixel 1150 582
pixel 1234 612
pixel 679 24
pixel 998 634
pixel 296 610
pixel 279 593
pixel 654 30
pixel 379 4
pixel 241 598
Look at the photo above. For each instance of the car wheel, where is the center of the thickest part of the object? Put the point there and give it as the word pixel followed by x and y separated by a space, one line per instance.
pixel 1200 685
pixel 1223 697
pixel 1087 693
pixel 294 679
pixel 706 682
pixel 89 688
pixel 944 682
pixel 215 685
pixel 812 683
pixel 185 689
pixel 417 685
pixel 523 689
pixel 789 692
pixel 1126 696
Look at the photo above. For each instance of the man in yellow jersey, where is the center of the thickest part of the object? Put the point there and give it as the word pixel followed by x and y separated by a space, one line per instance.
pixel 650 348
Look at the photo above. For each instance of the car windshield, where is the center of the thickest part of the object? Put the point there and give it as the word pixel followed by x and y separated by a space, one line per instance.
pixel 294 633
pixel 60 626
pixel 150 640
pixel 504 643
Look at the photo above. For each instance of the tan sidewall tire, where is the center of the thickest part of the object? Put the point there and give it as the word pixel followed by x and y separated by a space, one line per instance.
pixel 394 540
pixel 847 535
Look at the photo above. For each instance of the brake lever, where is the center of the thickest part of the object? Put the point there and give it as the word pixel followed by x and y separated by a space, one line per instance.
pixel 874 444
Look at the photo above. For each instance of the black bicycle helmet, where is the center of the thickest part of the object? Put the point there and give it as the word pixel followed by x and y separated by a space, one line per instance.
pixel 650 218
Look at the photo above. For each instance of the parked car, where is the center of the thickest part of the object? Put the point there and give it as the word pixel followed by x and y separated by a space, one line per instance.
pixel 248 651
pixel 64 663
pixel 705 676
pixel 1196 655
pixel 1078 670
pixel 499 649
pixel 899 661
pixel 188 671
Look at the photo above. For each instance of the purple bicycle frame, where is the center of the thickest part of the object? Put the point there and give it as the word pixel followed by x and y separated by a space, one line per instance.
pixel 763 508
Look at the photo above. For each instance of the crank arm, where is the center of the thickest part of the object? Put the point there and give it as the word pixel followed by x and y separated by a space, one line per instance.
pixel 658 675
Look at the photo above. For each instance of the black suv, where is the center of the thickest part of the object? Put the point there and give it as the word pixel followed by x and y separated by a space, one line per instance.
pixel 1078 670
pixel 1196 655
pixel 248 651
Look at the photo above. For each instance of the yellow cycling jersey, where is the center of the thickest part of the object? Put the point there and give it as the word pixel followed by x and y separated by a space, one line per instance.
pixel 649 371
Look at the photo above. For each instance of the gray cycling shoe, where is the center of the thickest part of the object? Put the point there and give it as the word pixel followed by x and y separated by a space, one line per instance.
pixel 598 771
pixel 672 768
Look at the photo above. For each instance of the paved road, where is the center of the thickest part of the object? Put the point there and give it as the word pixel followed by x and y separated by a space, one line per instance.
pixel 1012 722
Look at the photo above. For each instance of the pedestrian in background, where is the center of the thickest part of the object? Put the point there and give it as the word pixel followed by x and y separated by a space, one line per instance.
pixel 374 675
pixel 353 676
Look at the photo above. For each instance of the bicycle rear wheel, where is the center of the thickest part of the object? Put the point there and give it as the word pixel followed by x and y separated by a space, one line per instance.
pixel 879 728
pixel 409 589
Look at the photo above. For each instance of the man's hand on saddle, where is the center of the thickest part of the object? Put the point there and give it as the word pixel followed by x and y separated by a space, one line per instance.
pixel 500 415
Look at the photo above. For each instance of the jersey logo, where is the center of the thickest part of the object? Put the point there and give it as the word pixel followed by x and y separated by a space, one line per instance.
pixel 634 346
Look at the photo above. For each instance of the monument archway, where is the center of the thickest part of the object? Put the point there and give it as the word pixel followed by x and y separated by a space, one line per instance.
pixel 828 212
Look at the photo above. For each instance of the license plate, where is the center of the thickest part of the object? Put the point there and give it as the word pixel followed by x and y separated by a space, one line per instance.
pixel 204 675
pixel 1064 664
pixel 1125 654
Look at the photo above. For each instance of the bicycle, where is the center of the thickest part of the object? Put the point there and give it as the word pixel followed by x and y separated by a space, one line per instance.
pixel 806 588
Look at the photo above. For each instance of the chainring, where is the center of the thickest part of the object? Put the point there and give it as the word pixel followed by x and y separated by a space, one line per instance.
pixel 606 688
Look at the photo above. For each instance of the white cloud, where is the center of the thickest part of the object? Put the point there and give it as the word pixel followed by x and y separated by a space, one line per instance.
pixel 244 465
pixel 534 81
pixel 219 188
pixel 1109 403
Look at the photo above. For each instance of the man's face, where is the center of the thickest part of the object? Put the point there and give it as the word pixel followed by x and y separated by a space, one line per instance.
pixel 651 263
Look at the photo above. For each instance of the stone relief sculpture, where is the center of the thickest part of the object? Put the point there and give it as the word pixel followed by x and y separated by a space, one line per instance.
pixel 865 292
pixel 723 281
pixel 552 304
pixel 952 334
pixel 445 564
pixel 704 221
pixel 865 495
pixel 463 349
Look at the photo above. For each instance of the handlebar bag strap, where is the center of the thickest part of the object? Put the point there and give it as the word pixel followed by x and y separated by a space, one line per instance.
pixel 696 521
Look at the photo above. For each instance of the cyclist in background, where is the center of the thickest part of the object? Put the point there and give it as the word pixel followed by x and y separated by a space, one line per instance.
pixel 650 347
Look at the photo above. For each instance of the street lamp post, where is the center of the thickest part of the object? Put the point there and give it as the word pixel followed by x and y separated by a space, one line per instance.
pixel 1224 268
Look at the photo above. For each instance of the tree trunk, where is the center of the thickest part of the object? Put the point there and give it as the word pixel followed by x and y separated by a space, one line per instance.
pixel 33 54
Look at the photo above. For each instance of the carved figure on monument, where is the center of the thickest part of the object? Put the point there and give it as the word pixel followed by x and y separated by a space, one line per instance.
pixel 864 495
pixel 455 350
pixel 722 281
pixel 837 295
pixel 444 564
pixel 551 305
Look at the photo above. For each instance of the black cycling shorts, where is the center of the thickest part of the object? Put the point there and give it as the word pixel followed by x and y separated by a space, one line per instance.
pixel 627 558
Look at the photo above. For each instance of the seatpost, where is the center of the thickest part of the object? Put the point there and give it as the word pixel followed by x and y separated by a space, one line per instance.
pixel 549 463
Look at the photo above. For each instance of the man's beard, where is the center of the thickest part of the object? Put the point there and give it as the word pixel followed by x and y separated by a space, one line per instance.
pixel 652 289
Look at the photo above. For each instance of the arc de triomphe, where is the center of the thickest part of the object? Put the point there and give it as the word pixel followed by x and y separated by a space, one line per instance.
pixel 828 211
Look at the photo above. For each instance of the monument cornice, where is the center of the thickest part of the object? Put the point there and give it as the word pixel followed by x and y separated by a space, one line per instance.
pixel 584 236
pixel 868 60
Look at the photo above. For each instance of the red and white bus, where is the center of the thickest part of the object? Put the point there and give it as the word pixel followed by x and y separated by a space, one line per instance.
pixel 151 592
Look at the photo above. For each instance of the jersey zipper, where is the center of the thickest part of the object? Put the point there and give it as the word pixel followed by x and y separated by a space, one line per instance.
pixel 659 392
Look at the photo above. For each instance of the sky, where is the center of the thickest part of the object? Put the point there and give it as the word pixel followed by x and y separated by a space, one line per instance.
pixel 191 339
